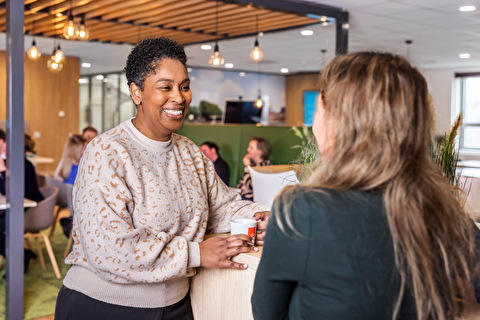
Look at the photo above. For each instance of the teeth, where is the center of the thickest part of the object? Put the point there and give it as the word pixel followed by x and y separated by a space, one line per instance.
pixel 173 112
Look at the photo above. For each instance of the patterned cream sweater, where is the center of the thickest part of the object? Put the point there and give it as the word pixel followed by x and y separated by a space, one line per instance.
pixel 141 208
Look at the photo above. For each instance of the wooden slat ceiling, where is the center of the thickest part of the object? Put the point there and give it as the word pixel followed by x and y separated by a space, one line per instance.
pixel 128 21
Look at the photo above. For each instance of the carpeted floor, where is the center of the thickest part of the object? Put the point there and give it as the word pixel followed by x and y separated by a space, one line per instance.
pixel 41 286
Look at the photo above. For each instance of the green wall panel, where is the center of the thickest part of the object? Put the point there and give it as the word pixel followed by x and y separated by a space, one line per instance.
pixel 233 141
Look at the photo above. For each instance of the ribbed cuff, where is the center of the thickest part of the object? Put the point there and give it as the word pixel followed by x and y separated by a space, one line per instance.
pixel 193 255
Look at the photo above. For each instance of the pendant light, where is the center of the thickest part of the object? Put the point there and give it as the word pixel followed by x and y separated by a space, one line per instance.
pixel 259 102
pixel 216 59
pixel 256 55
pixel 83 32
pixel 54 64
pixel 408 42
pixel 33 53
pixel 70 30
pixel 58 55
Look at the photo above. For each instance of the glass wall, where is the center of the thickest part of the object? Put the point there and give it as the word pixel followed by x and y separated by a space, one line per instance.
pixel 104 101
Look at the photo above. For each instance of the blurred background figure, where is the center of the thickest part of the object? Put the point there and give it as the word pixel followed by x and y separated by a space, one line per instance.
pixel 31 188
pixel 211 150
pixel 258 154
pixel 68 165
pixel 89 133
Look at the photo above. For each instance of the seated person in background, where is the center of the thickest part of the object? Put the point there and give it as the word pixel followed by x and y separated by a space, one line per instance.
pixel 210 149
pixel 89 133
pixel 258 154
pixel 31 188
pixel 68 165
pixel 376 232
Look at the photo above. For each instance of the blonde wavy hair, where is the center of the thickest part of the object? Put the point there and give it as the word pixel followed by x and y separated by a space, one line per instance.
pixel 383 118
pixel 72 151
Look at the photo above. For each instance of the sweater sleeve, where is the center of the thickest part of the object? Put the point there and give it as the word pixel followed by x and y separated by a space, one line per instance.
pixel 117 247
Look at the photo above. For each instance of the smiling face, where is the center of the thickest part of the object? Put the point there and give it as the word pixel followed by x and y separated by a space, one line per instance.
pixel 163 102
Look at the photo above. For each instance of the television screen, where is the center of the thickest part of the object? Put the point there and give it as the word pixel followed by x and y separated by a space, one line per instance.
pixel 241 112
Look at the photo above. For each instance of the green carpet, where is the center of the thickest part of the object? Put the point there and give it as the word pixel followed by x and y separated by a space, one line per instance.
pixel 41 286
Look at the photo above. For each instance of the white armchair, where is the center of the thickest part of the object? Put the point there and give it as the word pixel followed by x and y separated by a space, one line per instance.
pixel 266 186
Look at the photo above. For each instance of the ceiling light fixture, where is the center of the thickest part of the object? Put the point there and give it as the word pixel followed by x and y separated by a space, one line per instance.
pixel 53 64
pixel 58 55
pixel 324 52
pixel 83 32
pixel 206 47
pixel 229 65
pixel 284 70
pixel 464 55
pixel 216 59
pixel 70 31
pixel 306 32
pixel 259 102
pixel 256 55
pixel 33 53
pixel 408 42
pixel 467 8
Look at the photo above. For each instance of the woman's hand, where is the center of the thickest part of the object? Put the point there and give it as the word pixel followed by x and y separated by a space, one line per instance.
pixel 261 226
pixel 217 252
pixel 246 161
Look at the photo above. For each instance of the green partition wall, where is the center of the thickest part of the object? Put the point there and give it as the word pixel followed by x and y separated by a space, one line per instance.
pixel 233 141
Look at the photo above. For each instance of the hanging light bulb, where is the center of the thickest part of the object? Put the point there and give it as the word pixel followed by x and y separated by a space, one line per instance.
pixel 216 59
pixel 33 53
pixel 256 55
pixel 83 32
pixel 54 66
pixel 58 55
pixel 259 102
pixel 70 30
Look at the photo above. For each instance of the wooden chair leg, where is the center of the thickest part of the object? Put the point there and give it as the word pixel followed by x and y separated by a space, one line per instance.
pixel 55 222
pixel 69 245
pixel 51 255
pixel 39 252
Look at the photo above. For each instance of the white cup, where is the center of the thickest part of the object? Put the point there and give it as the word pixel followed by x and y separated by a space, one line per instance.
pixel 244 226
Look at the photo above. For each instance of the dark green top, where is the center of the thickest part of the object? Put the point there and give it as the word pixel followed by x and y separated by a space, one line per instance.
pixel 342 268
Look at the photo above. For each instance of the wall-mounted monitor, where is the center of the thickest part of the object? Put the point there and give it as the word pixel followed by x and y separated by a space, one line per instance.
pixel 309 106
pixel 239 111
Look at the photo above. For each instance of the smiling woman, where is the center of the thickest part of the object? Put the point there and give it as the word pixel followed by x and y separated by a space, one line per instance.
pixel 143 200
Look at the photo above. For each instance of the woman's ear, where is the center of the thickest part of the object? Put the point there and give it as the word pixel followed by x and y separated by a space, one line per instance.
pixel 136 94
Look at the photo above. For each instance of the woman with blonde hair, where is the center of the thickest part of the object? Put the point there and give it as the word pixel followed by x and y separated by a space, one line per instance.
pixel 376 232
pixel 72 151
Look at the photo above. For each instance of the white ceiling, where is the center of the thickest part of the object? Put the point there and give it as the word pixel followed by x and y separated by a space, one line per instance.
pixel 439 31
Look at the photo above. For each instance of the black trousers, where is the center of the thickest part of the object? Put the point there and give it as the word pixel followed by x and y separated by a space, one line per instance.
pixel 73 305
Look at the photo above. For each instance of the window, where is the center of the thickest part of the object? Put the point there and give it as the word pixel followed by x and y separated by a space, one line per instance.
pixel 469 89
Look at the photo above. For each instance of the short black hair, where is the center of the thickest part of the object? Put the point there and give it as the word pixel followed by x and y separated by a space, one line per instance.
pixel 210 145
pixel 3 135
pixel 142 59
